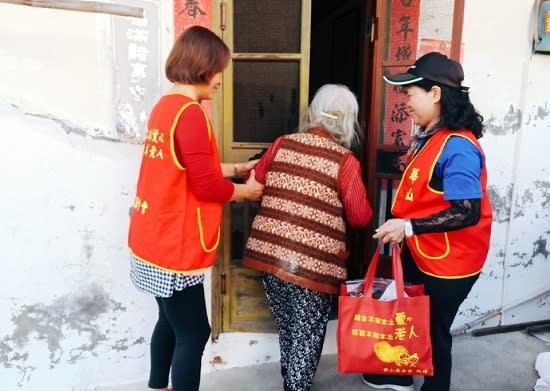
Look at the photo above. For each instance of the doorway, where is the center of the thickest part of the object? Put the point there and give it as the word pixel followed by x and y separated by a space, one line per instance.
pixel 342 53
pixel 282 52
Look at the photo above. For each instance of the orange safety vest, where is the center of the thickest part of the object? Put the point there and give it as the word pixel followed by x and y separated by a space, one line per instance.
pixel 170 227
pixel 452 254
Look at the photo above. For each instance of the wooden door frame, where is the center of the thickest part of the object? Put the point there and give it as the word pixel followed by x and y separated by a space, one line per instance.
pixel 382 19
pixel 374 121
pixel 222 11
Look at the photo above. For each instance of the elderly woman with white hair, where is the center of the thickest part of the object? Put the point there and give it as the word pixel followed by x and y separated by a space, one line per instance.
pixel 313 186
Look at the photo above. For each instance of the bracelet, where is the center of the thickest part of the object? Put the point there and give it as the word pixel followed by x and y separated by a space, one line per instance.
pixel 408 229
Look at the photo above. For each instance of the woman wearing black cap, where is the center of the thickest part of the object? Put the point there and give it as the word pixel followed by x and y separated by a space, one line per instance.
pixel 441 206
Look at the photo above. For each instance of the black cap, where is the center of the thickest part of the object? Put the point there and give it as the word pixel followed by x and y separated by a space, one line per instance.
pixel 432 66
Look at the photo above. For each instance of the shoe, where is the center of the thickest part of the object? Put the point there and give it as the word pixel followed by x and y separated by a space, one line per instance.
pixel 396 383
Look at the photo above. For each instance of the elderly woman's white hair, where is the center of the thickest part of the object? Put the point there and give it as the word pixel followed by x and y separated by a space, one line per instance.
pixel 334 108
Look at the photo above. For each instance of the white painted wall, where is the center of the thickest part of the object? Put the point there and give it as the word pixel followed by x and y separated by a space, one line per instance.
pixel 510 86
pixel 71 319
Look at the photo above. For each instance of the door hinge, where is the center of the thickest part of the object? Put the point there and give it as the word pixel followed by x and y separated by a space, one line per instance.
pixel 222 16
pixel 222 283
pixel 372 28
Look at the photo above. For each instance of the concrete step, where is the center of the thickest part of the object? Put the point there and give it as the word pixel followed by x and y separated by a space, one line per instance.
pixel 498 362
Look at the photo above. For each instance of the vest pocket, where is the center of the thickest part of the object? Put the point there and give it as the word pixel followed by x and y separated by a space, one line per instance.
pixel 210 231
pixel 434 246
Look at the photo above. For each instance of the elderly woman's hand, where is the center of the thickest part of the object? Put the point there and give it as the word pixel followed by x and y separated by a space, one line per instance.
pixel 392 230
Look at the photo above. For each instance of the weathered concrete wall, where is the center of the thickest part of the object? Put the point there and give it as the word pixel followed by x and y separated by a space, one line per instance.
pixel 510 87
pixel 70 318
pixel 67 306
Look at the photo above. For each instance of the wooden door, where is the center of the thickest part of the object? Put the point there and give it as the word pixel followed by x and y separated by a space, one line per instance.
pixel 265 88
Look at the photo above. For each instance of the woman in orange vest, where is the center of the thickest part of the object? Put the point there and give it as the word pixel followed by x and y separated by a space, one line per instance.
pixel 175 222
pixel 441 206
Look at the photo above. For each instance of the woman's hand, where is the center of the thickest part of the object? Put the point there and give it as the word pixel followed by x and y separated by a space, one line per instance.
pixel 255 188
pixel 392 230
pixel 244 168
pixel 250 190
pixel 238 169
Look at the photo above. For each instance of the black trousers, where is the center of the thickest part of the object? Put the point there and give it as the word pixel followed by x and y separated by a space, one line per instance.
pixel 301 316
pixel 178 340
pixel 446 296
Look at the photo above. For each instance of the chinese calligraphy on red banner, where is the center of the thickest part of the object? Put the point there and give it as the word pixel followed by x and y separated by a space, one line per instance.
pixel 402 50
pixel 191 13
pixel 404 31
pixel 397 119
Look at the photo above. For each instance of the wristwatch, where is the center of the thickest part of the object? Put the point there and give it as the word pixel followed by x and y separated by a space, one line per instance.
pixel 408 228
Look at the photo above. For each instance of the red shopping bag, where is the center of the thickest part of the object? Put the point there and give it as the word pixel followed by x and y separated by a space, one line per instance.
pixel 385 337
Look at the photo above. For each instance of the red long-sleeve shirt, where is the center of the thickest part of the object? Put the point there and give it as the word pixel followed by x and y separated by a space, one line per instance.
pixel 192 149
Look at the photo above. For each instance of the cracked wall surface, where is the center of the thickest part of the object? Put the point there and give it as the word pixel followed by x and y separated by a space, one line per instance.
pixel 71 319
pixel 510 89
pixel 85 314
pixel 69 308
pixel 513 277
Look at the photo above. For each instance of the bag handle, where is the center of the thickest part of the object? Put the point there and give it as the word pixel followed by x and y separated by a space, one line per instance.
pixel 397 272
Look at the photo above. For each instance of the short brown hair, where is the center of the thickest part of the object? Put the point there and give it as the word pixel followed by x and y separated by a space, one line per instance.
pixel 197 55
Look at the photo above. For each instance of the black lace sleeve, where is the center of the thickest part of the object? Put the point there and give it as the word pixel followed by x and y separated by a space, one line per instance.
pixel 462 213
